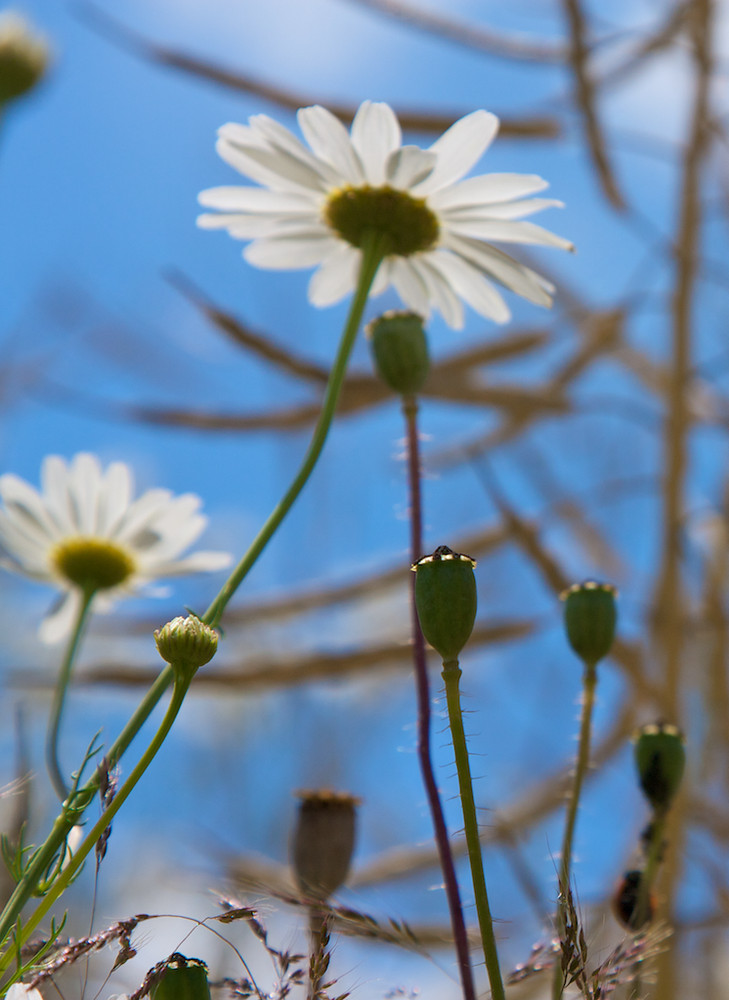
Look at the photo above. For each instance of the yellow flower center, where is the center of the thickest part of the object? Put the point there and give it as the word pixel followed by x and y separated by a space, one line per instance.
pixel 92 563
pixel 407 222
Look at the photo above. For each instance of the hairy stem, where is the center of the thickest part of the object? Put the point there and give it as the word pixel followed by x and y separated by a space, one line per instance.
pixel 452 676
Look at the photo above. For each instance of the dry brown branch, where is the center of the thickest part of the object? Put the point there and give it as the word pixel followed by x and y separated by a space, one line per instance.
pixel 585 99
pixel 472 36
pixel 529 127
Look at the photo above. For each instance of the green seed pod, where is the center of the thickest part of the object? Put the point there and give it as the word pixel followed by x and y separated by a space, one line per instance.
pixel 186 643
pixel 590 615
pixel 400 351
pixel 445 595
pixel 23 57
pixel 181 978
pixel 323 841
pixel 660 758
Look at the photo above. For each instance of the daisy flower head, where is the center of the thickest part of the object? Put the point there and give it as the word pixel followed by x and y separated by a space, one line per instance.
pixel 84 533
pixel 314 207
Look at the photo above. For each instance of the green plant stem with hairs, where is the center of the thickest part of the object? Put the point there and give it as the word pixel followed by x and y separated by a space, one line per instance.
pixel 373 253
pixel 75 861
pixel 451 677
pixel 589 684
pixel 59 696
pixel 374 250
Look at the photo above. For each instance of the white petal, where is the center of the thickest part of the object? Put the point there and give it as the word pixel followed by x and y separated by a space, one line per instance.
pixel 336 277
pixel 19 991
pixel 504 269
pixel 382 279
pixel 440 292
pixel 58 623
pixel 375 134
pixel 478 191
pixel 409 165
pixel 459 149
pixel 289 253
pixel 506 231
pixel 197 562
pixel 468 282
pixel 84 487
pixel 27 504
pixel 507 209
pixel 410 286
pixel 330 141
pixel 256 200
pixel 275 169
pixel 55 476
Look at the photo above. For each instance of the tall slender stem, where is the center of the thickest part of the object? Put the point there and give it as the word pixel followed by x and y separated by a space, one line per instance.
pixel 452 676
pixel 422 687
pixel 59 697
pixel 583 758
pixel 372 255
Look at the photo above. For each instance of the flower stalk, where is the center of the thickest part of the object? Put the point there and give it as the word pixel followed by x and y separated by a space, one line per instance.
pixel 451 676
pixel 373 252
pixel 422 687
pixel 59 698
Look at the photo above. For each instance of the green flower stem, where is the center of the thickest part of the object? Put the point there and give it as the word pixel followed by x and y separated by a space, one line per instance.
pixel 59 697
pixel 452 676
pixel 373 252
pixel 422 688
pixel 76 860
pixel 71 814
pixel 583 757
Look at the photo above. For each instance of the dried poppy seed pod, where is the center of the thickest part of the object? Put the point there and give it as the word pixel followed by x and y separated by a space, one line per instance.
pixel 590 616
pixel 186 643
pixel 660 757
pixel 445 595
pixel 181 978
pixel 323 841
pixel 400 351
pixel 23 57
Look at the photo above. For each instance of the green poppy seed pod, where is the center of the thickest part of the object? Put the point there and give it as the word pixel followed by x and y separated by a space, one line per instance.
pixel 181 978
pixel 660 758
pixel 23 57
pixel 400 351
pixel 186 643
pixel 323 841
pixel 590 615
pixel 445 596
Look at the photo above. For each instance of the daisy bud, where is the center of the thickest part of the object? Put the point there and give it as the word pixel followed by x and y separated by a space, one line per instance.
pixel 23 57
pixel 181 978
pixel 323 841
pixel 590 616
pixel 186 643
pixel 400 351
pixel 660 758
pixel 445 595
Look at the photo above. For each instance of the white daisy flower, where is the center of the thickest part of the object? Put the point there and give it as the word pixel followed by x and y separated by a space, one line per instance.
pixel 84 532
pixel 315 205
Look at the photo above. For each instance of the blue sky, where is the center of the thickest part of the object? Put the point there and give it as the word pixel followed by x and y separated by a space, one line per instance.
pixel 99 174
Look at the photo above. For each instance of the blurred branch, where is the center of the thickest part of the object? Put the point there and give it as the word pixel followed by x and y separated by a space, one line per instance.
pixel 586 102
pixel 534 127
pixel 471 36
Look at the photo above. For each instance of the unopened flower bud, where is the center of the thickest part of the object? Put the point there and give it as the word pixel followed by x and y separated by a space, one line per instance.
pixel 181 978
pixel 445 595
pixel 590 616
pixel 400 351
pixel 23 57
pixel 186 643
pixel 323 841
pixel 660 758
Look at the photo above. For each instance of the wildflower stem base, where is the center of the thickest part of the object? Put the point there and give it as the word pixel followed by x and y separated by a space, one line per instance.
pixel 451 677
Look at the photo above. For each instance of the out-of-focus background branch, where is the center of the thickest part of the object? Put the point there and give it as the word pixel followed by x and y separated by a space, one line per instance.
pixel 587 442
